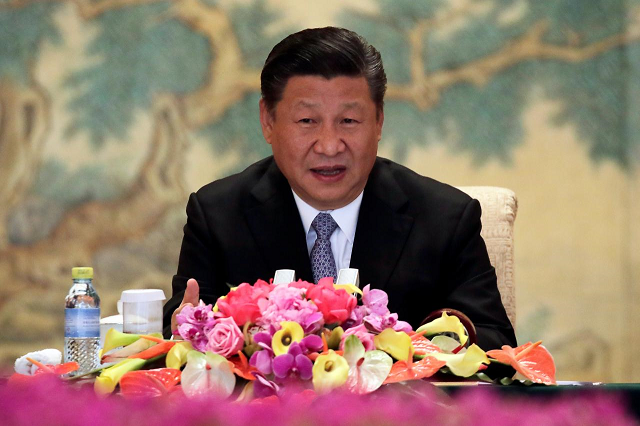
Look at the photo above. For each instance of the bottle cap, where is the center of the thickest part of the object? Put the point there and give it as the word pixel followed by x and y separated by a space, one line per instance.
pixel 137 296
pixel 82 273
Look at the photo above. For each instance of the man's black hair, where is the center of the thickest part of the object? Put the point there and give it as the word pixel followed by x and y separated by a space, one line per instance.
pixel 328 52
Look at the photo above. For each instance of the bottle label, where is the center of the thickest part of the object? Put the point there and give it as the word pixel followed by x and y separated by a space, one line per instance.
pixel 83 322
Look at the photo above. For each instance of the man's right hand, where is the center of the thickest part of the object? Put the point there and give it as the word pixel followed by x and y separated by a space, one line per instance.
pixel 191 298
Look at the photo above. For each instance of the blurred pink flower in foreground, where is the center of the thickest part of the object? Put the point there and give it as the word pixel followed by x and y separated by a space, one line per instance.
pixel 40 402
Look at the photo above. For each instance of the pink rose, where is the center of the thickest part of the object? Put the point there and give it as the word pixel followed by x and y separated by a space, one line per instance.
pixel 242 303
pixel 335 305
pixel 361 333
pixel 225 338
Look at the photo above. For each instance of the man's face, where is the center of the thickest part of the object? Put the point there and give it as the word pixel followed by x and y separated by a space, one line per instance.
pixel 324 135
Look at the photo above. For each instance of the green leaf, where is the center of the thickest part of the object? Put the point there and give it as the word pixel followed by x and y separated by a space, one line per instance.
pixel 506 381
pixel 353 350
pixel 446 343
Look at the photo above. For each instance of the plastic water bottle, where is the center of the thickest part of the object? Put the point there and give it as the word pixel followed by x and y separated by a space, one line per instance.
pixel 82 321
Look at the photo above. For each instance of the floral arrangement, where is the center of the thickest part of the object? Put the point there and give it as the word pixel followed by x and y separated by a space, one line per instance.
pixel 266 341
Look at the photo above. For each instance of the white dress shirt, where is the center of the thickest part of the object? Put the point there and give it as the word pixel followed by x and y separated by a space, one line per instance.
pixel 342 238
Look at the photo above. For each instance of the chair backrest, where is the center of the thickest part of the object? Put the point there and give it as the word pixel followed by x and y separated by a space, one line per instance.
pixel 499 209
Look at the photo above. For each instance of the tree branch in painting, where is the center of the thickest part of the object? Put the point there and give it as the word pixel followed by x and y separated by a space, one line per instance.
pixel 229 80
pixel 94 225
pixel 88 9
pixel 425 89
pixel 24 121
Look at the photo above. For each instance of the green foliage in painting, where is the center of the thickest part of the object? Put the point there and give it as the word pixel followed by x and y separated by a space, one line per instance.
pixel 138 52
pixel 142 50
pixel 22 34
pixel 87 183
pixel 632 124
pixel 486 119
pixel 594 93
pixel 239 131
pixel 250 23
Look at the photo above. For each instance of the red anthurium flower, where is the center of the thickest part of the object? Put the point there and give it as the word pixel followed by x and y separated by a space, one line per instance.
pixel 531 360
pixel 155 350
pixel 59 369
pixel 422 345
pixel 43 370
pixel 146 383
pixel 407 370
pixel 241 367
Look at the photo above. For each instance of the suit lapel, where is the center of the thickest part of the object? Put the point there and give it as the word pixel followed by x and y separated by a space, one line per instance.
pixel 275 223
pixel 382 228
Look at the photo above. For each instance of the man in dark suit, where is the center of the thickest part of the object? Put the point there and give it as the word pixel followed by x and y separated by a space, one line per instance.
pixel 322 113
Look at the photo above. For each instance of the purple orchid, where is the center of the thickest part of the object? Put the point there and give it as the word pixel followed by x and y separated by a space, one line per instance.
pixel 263 339
pixel 377 323
pixel 375 301
pixel 263 387
pixel 312 323
pixel 195 335
pixel 266 364
pixel 311 343
pixel 200 315
pixel 403 326
pixel 356 317
pixel 293 364
pixel 194 323
pixel 375 314
pixel 262 359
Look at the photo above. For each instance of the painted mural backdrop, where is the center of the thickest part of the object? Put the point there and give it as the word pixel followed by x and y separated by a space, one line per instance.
pixel 112 111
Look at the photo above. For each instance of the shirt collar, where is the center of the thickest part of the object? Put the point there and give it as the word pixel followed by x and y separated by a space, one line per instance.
pixel 346 217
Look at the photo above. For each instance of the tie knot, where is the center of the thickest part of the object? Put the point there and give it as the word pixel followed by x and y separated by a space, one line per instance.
pixel 324 225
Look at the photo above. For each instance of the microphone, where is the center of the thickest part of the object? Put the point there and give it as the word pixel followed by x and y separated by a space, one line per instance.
pixel 284 276
pixel 349 276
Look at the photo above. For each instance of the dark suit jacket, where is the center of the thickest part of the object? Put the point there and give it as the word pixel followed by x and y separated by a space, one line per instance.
pixel 417 239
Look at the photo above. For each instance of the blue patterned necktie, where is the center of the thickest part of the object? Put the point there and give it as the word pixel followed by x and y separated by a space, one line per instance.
pixel 322 262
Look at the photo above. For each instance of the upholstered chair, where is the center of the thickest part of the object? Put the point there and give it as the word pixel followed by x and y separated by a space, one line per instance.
pixel 499 209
